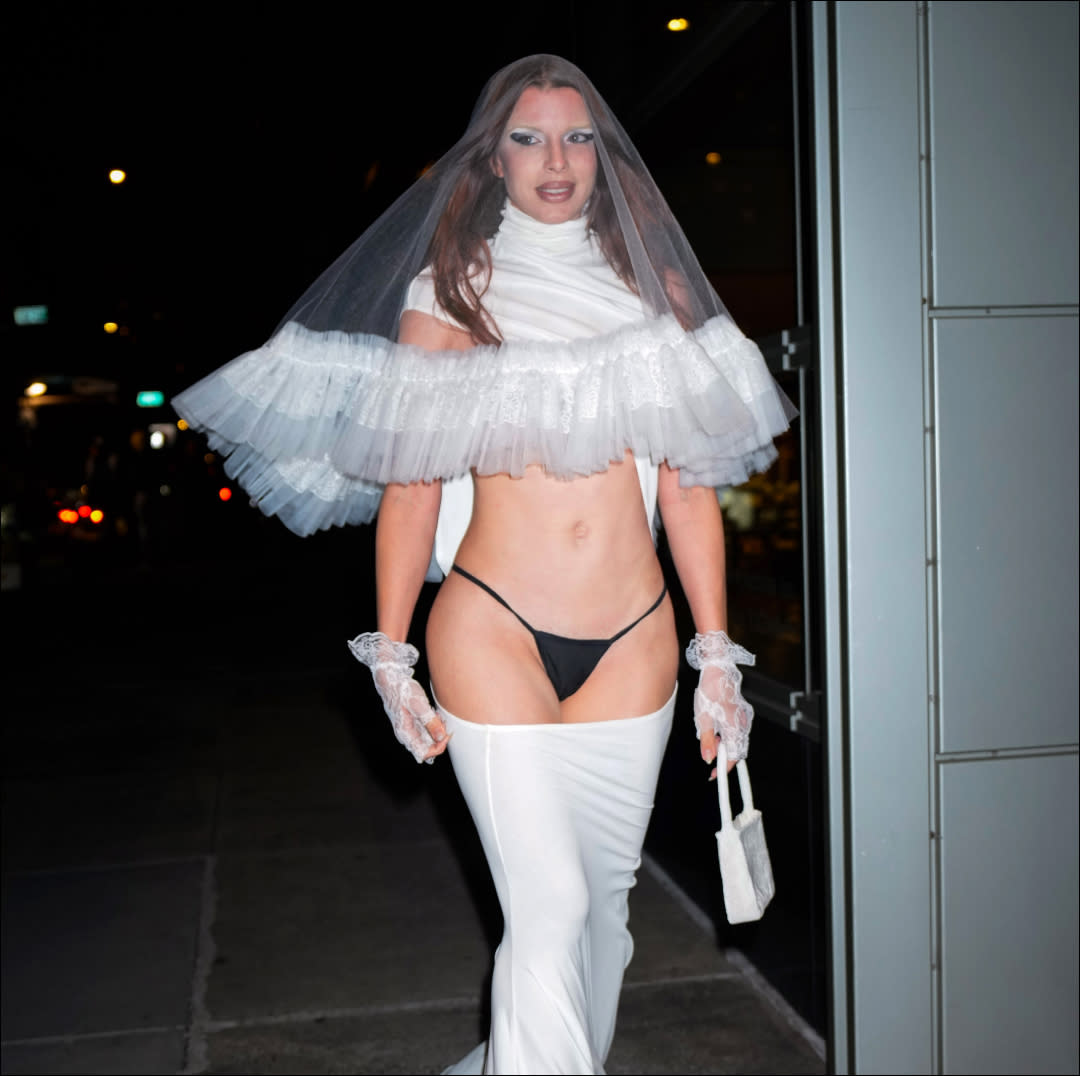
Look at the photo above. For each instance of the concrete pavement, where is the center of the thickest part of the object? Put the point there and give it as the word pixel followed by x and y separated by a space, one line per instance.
pixel 217 859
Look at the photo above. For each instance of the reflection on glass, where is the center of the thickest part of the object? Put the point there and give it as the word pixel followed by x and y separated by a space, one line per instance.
pixel 723 150
pixel 763 523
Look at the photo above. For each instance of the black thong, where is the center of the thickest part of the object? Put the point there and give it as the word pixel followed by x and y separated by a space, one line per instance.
pixel 569 662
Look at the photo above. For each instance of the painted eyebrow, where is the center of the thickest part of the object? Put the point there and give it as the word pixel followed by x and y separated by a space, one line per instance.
pixel 524 128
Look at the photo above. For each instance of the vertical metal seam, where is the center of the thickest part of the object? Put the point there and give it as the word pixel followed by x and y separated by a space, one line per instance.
pixel 844 626
pixel 823 86
pixel 933 545
pixel 800 275
pixel 805 508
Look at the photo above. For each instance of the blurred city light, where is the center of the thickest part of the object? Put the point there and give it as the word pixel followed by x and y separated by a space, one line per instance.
pixel 162 433
pixel 181 425
pixel 224 493
pixel 149 398
pixel 36 388
pixel 31 315
pixel 713 158
pixel 111 326
pixel 93 386
pixel 117 175
pixel 84 511
pixel 678 24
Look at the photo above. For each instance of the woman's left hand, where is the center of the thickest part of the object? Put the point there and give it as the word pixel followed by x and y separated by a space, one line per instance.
pixel 719 708
pixel 709 751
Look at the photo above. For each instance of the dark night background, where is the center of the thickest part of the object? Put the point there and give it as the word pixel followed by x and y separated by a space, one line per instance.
pixel 258 143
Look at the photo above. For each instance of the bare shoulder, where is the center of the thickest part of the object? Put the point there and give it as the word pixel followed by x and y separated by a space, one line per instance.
pixel 423 330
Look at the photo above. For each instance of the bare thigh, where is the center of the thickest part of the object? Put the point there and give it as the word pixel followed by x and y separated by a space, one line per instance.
pixel 485 667
pixel 483 663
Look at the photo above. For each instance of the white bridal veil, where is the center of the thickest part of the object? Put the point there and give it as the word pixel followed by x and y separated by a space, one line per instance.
pixel 332 407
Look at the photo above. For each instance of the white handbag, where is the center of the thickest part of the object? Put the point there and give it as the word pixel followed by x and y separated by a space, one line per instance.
pixel 744 857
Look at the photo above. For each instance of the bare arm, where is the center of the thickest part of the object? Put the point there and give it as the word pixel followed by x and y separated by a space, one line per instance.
pixel 405 530
pixel 695 532
pixel 404 535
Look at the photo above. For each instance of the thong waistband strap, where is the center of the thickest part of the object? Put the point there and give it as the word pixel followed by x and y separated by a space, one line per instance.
pixel 535 631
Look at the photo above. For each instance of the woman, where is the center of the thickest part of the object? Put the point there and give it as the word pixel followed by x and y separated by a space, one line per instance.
pixel 526 344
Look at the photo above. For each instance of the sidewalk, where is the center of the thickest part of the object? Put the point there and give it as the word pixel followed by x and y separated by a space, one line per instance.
pixel 217 859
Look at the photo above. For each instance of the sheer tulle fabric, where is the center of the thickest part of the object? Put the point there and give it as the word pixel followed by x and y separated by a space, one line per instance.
pixel 315 422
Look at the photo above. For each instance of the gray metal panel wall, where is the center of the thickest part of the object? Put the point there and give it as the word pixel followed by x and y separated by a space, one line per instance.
pixel 830 484
pixel 1007 872
pixel 1004 115
pixel 1001 197
pixel 1007 420
pixel 881 383
pixel 949 351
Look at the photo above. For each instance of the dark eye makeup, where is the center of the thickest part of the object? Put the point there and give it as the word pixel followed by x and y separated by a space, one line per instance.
pixel 526 138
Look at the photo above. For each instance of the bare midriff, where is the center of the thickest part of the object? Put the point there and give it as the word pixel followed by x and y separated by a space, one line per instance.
pixel 574 558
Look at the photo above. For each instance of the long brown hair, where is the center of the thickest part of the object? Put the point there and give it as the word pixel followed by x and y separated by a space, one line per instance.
pixel 459 255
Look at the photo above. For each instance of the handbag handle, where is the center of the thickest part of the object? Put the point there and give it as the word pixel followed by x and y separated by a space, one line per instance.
pixel 723 790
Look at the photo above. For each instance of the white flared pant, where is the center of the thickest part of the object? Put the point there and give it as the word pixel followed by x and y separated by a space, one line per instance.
pixel 561 811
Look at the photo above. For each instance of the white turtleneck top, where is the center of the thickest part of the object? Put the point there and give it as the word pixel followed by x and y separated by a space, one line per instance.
pixel 548 282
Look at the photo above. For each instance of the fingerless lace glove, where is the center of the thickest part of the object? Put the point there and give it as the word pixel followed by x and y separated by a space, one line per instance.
pixel 718 703
pixel 403 698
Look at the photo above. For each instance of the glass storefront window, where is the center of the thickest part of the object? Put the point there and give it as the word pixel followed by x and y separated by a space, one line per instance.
pixel 763 524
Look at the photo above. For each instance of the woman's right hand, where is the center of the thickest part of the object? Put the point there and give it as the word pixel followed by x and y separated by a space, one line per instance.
pixel 415 723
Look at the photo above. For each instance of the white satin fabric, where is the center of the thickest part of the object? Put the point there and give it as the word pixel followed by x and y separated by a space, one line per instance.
pixel 561 811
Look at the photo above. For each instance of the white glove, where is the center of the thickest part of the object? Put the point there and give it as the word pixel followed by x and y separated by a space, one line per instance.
pixel 718 704
pixel 416 725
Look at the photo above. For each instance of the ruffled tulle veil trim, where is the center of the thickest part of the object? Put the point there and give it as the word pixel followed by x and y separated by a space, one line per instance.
pixel 314 424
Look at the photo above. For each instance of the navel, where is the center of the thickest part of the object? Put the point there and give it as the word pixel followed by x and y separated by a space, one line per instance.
pixel 580 530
